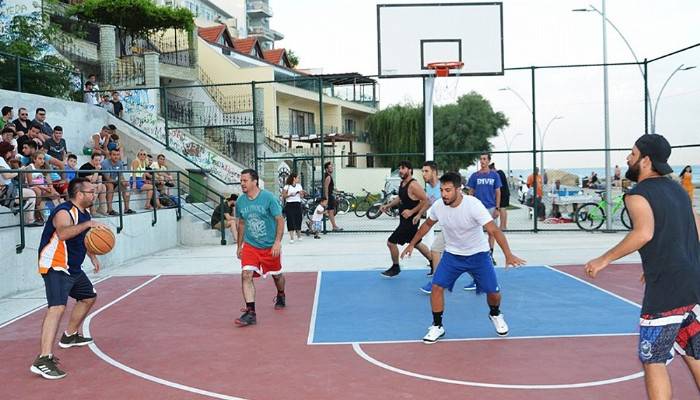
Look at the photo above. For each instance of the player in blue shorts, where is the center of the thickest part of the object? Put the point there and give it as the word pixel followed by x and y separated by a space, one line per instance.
pixel 61 255
pixel 463 220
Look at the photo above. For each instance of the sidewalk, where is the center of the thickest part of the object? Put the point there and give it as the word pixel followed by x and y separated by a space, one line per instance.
pixel 345 251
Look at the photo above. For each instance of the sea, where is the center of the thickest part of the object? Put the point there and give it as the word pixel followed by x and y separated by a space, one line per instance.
pixel 583 172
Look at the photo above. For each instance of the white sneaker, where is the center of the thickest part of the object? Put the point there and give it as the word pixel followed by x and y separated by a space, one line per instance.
pixel 291 241
pixel 499 322
pixel 299 239
pixel 434 333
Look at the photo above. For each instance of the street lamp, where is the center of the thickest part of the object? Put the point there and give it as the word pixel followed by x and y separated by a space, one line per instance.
pixel 509 143
pixel 658 98
pixel 556 117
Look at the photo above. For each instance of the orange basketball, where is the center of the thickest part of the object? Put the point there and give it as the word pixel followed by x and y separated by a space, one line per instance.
pixel 99 241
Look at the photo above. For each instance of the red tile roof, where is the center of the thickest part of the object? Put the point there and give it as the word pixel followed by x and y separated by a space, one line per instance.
pixel 246 45
pixel 274 56
pixel 212 34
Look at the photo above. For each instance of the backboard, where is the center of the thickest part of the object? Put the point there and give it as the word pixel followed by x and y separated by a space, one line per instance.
pixel 411 36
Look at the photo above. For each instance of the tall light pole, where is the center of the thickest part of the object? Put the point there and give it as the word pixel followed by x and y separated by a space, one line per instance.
pixel 647 101
pixel 509 143
pixel 556 117
pixel 658 98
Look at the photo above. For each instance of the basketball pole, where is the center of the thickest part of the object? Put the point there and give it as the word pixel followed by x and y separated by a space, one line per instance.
pixel 428 88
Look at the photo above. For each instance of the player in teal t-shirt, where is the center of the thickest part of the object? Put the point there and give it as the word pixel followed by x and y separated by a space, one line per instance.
pixel 261 225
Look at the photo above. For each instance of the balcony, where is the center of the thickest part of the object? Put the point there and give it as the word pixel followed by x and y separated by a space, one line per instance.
pixel 265 32
pixel 258 9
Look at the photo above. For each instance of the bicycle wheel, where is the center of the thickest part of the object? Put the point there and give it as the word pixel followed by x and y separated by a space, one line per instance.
pixel 361 208
pixel 590 217
pixel 373 212
pixel 343 205
pixel 625 218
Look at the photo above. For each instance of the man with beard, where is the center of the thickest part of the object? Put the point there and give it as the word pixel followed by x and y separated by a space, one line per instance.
pixel 463 220
pixel 260 231
pixel 61 254
pixel 411 200
pixel 665 232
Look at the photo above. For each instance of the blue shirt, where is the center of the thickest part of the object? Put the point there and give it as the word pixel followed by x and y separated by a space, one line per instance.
pixel 70 173
pixel 259 215
pixel 110 170
pixel 433 192
pixel 484 186
pixel 55 177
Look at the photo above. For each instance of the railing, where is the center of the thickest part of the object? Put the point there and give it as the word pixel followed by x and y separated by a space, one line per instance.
pixel 229 104
pixel 172 46
pixel 30 76
pixel 288 129
pixel 126 71
pixel 262 6
pixel 21 199
pixel 191 113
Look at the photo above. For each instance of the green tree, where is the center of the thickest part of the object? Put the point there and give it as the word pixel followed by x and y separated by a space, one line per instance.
pixel 293 58
pixel 465 127
pixel 134 19
pixel 27 41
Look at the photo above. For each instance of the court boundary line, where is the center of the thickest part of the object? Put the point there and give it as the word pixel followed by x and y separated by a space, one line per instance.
pixel 312 318
pixel 109 360
pixel 42 306
pixel 358 350
pixel 617 296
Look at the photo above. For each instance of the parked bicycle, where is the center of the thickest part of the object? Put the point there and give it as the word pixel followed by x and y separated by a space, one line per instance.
pixel 344 202
pixel 364 203
pixel 591 216
pixel 375 210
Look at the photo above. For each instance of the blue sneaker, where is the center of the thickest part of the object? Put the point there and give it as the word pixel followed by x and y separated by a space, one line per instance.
pixel 427 288
pixel 470 287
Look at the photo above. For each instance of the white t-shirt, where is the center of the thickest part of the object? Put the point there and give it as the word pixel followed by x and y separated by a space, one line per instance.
pixel 318 214
pixel 293 193
pixel 3 165
pixel 463 225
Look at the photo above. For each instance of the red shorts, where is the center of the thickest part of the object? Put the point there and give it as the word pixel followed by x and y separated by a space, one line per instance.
pixel 60 186
pixel 260 261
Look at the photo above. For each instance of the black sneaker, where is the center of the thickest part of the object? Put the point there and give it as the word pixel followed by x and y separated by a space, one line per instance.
pixel 75 339
pixel 248 318
pixel 47 367
pixel 280 302
pixel 393 271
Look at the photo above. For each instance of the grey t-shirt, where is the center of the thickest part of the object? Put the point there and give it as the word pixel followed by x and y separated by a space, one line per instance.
pixel 109 170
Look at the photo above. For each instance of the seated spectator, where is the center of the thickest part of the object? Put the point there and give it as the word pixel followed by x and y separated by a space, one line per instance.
pixel 106 104
pixel 40 119
pixel 56 145
pixel 40 182
pixel 113 179
pixel 229 213
pixel 28 150
pixel 6 116
pixel 22 122
pixel 8 136
pixel 89 95
pixel 9 188
pixel 141 180
pixel 99 142
pixel 162 178
pixel 115 144
pixel 34 135
pixel 117 105
pixel 90 170
pixel 69 167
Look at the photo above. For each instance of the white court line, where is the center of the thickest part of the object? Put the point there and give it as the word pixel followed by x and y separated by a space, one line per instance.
pixel 312 323
pixel 591 335
pixel 594 286
pixel 361 353
pixel 109 360
pixel 41 307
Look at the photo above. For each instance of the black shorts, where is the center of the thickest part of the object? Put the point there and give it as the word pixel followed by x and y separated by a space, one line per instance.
pixel 505 200
pixel 60 285
pixel 331 203
pixel 404 233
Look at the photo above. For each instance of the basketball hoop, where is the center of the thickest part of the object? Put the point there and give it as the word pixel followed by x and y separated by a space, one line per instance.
pixel 442 69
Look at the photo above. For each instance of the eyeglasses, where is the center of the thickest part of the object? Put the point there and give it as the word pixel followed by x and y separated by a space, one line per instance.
pixel 24 114
pixel 41 114
pixel 88 192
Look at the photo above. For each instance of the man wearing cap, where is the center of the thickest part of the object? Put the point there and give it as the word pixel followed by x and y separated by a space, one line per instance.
pixel 665 232
pixel 227 209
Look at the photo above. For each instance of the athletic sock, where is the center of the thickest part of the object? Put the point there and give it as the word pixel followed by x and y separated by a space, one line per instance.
pixel 66 333
pixel 491 250
pixel 250 306
pixel 281 294
pixel 437 318
pixel 495 310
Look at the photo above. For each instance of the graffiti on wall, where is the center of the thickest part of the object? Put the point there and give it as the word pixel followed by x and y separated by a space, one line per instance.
pixel 141 111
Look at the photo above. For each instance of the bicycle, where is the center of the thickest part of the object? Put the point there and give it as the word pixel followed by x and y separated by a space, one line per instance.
pixel 591 216
pixel 344 202
pixel 364 203
pixel 374 211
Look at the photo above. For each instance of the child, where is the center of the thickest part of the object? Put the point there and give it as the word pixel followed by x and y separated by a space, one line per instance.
pixel 317 218
pixel 69 168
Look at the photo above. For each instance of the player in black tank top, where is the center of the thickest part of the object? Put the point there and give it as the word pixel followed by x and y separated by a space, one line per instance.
pixel 665 232
pixel 328 189
pixel 410 210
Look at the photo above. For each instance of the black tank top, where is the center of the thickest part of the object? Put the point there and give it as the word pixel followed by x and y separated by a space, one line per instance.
pixel 671 259
pixel 331 185
pixel 407 202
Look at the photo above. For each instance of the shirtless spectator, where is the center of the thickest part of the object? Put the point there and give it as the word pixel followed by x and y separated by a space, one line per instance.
pixel 99 142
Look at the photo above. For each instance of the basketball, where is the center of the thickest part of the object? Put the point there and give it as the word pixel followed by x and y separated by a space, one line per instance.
pixel 99 241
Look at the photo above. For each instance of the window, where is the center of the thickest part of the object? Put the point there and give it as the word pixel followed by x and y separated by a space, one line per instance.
pixel 370 161
pixel 352 160
pixel 349 126
pixel 301 123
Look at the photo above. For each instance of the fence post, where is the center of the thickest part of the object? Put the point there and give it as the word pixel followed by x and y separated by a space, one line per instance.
pixel 647 100
pixel 22 242
pixel 536 199
pixel 164 99
pixel 222 221
pixel 320 121
pixel 154 221
pixel 19 74
pixel 255 130
pixel 179 197
pixel 118 183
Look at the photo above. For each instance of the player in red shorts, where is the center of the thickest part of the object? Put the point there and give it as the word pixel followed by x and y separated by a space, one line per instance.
pixel 261 225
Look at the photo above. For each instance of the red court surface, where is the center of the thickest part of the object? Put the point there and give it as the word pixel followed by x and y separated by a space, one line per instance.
pixel 176 338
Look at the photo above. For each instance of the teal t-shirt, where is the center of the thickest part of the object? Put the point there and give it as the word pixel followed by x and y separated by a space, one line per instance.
pixel 433 192
pixel 259 217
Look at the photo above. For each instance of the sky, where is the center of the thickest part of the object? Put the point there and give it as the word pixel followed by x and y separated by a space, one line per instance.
pixel 341 36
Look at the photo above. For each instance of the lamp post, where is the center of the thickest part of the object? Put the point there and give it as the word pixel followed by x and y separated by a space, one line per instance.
pixel 556 117
pixel 509 143
pixel 658 98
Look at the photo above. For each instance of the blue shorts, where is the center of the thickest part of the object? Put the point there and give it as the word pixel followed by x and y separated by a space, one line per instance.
pixel 139 182
pixel 60 285
pixel 663 334
pixel 478 265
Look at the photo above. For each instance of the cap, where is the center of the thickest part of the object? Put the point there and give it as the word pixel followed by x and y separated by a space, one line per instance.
pixel 233 197
pixel 5 147
pixel 657 148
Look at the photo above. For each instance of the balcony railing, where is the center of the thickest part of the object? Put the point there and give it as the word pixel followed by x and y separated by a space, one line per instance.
pixel 172 46
pixel 259 7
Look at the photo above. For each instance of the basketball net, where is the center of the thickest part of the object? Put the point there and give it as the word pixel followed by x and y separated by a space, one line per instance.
pixel 445 89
